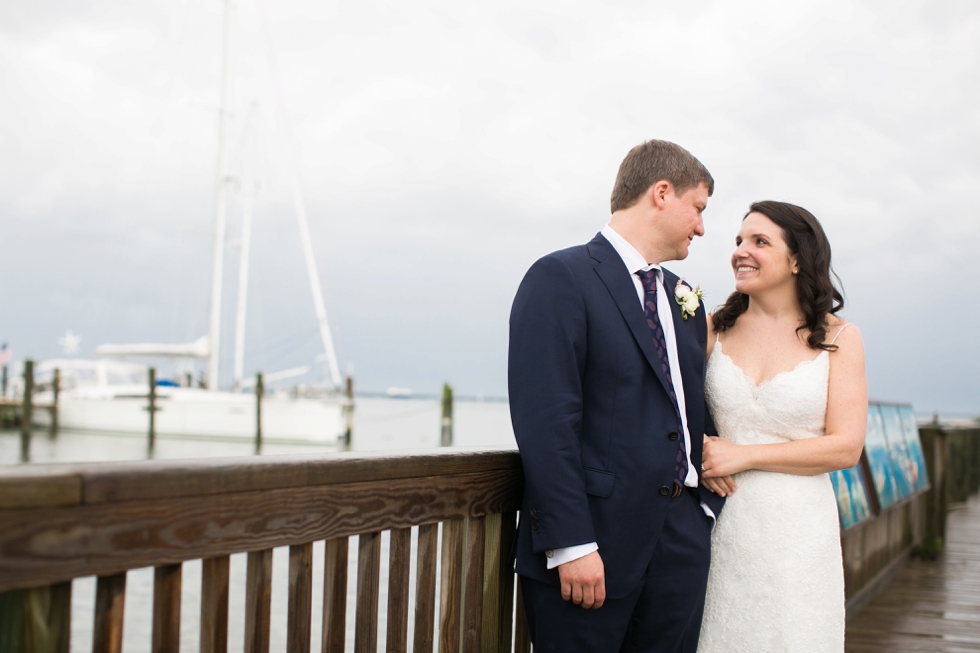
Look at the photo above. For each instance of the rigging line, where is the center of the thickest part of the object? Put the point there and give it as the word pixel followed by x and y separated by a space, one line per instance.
pixel 299 205
pixel 280 344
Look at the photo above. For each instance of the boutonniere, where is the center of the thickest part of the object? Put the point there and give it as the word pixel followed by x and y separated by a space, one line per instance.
pixel 689 300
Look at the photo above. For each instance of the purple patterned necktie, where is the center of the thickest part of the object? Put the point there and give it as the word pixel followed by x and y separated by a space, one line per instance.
pixel 649 280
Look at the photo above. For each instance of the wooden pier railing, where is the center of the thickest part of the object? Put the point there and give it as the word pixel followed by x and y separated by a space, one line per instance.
pixel 60 522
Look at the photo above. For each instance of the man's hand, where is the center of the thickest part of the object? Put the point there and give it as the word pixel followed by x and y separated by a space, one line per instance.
pixel 583 581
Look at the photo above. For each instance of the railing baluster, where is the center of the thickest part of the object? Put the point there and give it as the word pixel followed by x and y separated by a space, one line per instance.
pixel 166 609
pixel 498 584
pixel 450 590
pixel 258 601
pixel 300 598
pixel 214 604
pixel 399 562
pixel 368 577
pixel 473 585
pixel 47 618
pixel 335 595
pixel 110 603
pixel 425 587
pixel 522 640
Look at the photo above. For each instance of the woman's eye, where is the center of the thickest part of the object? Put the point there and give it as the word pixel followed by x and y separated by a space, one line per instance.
pixel 760 242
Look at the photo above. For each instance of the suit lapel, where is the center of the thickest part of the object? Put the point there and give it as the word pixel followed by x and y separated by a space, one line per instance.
pixel 618 282
pixel 689 353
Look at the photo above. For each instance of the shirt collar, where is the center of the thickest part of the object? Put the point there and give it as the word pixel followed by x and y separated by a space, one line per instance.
pixel 633 259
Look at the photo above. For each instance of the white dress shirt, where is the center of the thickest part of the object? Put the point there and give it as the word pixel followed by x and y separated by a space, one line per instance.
pixel 635 262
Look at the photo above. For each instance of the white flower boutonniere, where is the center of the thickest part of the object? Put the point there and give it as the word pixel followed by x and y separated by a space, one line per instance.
pixel 689 300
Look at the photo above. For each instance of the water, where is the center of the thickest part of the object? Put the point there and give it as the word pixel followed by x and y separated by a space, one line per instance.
pixel 380 424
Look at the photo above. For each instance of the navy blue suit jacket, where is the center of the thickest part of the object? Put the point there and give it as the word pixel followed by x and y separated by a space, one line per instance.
pixel 591 412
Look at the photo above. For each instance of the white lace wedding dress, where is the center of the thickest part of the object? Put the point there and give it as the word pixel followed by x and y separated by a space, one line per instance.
pixel 776 583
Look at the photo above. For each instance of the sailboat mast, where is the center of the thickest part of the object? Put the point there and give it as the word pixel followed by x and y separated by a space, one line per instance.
pixel 219 222
pixel 249 181
pixel 311 271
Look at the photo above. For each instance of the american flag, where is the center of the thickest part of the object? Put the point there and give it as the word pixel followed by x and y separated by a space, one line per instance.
pixel 5 354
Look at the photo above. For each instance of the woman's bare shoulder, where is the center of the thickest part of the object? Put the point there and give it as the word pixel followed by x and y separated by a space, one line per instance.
pixel 846 335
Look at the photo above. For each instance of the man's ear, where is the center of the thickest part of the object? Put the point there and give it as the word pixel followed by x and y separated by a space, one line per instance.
pixel 657 193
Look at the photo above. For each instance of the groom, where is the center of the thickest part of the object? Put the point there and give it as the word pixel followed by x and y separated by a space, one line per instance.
pixel 606 376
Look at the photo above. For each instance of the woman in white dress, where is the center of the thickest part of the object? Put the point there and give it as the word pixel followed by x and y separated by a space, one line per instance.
pixel 787 390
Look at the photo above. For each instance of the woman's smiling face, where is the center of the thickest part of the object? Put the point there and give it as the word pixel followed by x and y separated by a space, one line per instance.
pixel 762 259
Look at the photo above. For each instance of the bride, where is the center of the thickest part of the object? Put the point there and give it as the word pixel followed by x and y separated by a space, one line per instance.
pixel 786 388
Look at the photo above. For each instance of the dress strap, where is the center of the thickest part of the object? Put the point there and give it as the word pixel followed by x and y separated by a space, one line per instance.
pixel 846 324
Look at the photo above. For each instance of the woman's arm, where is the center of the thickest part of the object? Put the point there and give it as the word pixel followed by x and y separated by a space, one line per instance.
pixel 840 448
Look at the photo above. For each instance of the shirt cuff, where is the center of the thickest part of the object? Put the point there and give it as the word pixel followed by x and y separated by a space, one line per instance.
pixel 567 554
pixel 709 513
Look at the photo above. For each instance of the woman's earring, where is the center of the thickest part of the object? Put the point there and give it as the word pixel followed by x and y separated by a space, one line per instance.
pixel 796 271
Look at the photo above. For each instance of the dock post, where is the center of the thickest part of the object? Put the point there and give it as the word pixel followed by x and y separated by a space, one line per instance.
pixel 447 416
pixel 55 390
pixel 152 408
pixel 27 411
pixel 348 411
pixel 259 393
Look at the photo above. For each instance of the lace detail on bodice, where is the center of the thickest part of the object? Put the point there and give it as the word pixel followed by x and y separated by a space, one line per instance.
pixel 776 583
pixel 790 406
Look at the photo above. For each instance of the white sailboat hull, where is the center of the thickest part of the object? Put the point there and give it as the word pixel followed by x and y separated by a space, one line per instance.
pixel 195 412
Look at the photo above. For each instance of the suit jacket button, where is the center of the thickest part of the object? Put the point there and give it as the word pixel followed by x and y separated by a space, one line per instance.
pixel 549 553
pixel 664 491
pixel 673 435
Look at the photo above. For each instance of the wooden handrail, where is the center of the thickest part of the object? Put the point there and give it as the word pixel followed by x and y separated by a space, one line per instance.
pixel 65 521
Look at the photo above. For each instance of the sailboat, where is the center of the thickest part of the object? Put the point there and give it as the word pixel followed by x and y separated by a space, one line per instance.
pixel 110 394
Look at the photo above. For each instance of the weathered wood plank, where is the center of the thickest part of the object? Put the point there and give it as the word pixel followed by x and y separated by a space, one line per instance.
pixel 473 585
pixel 300 608
pixel 522 640
pixel 368 578
pixel 335 595
pixel 54 544
pixel 47 619
pixel 166 609
pixel 930 605
pixel 214 604
pixel 258 601
pixel 23 492
pixel 450 589
pixel 159 479
pixel 425 588
pixel 498 584
pixel 110 604
pixel 399 566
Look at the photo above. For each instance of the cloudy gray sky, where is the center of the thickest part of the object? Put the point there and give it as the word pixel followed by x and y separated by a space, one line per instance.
pixel 443 146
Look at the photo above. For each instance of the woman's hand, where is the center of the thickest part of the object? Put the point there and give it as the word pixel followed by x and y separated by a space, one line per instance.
pixel 721 460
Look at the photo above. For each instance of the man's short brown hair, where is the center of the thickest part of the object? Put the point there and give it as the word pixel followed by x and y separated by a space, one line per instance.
pixel 654 161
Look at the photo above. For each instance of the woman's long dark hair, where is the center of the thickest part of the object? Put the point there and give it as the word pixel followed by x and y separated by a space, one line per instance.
pixel 818 294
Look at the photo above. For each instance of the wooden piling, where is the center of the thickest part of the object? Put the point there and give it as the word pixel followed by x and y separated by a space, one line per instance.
pixel 349 411
pixel 446 439
pixel 55 390
pixel 259 393
pixel 152 407
pixel 27 407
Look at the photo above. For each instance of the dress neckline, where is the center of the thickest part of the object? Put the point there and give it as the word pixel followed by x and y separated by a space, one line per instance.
pixel 764 382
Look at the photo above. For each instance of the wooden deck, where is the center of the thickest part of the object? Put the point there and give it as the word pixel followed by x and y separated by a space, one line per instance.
pixel 929 606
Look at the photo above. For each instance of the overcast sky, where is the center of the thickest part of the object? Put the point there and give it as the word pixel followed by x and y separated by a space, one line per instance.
pixel 443 146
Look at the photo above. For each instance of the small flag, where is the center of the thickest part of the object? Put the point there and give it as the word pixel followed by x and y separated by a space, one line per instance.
pixel 5 354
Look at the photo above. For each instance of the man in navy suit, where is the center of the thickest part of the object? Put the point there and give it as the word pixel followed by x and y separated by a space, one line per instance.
pixel 606 377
